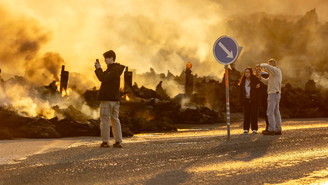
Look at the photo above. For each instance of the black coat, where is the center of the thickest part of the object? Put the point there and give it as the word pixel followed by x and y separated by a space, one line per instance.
pixel 264 91
pixel 110 82
pixel 254 93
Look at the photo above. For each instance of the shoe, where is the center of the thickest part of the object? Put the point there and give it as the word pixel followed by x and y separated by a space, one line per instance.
pixel 254 131
pixel 117 145
pixel 104 144
pixel 245 131
pixel 266 132
pixel 278 133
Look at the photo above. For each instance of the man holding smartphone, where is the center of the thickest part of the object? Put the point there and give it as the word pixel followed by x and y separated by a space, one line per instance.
pixel 109 96
pixel 274 94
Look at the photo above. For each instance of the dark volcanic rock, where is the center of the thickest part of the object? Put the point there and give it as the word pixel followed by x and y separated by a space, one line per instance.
pixel 72 113
pixel 155 125
pixel 299 103
pixel 5 133
pixel 90 97
pixel 140 124
pixel 161 92
pixel 70 128
pixel 40 128
pixel 22 127
pixel 199 116
pixel 189 116
pixel 162 125
pixel 310 87
pixel 148 93
pixel 12 120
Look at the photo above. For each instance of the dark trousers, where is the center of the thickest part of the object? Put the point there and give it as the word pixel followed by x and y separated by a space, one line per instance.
pixel 263 111
pixel 250 114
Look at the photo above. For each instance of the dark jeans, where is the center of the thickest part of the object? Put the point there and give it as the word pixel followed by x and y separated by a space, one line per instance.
pixel 250 114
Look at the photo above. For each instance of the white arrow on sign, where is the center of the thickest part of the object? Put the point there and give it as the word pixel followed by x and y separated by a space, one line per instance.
pixel 229 54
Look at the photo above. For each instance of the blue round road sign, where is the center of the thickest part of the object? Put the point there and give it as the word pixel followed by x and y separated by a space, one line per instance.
pixel 226 50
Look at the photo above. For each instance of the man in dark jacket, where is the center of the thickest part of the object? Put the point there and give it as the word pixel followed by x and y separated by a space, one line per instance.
pixel 109 96
pixel 263 95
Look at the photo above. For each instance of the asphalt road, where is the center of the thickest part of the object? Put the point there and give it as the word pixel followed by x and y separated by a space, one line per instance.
pixel 299 156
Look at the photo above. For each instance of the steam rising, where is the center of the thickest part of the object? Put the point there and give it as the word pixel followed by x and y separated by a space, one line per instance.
pixel 162 35
pixel 48 66
pixel 37 38
pixel 299 47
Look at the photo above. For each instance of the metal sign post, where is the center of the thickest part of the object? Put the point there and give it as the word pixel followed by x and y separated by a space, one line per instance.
pixel 227 99
pixel 226 50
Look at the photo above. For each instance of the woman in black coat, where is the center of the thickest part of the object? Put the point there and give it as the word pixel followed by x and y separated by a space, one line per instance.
pixel 249 98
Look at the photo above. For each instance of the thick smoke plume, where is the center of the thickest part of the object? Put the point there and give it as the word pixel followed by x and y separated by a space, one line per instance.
pixel 159 35
pixel 37 38
pixel 22 37
pixel 298 46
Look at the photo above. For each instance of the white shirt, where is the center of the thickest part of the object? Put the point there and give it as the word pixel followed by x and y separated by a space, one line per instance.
pixel 248 88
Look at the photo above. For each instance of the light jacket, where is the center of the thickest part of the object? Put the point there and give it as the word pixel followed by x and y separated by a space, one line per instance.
pixel 274 80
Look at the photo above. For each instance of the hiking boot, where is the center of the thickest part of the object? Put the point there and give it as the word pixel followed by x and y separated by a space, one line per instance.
pixel 245 131
pixel 117 145
pixel 104 144
pixel 278 133
pixel 266 132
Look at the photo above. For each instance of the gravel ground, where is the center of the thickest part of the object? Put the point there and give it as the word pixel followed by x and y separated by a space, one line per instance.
pixel 299 156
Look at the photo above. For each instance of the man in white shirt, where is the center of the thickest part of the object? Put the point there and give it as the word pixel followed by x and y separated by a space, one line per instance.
pixel 274 95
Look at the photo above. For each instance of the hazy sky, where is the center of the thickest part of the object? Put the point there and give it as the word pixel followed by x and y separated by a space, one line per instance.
pixel 37 37
pixel 164 35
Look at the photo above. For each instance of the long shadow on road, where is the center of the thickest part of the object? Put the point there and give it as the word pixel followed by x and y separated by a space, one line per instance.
pixel 244 147
pixel 302 172
pixel 61 162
